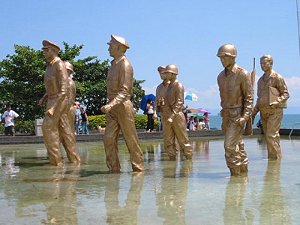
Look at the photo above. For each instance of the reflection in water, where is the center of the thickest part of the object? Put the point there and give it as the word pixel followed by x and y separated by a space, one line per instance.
pixel 7 162
pixel 171 197
pixel 234 211
pixel 127 214
pixel 56 192
pixel 272 208
pixel 201 148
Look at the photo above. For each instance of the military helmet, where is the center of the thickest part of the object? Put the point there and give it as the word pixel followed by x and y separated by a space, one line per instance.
pixel 227 50
pixel 171 69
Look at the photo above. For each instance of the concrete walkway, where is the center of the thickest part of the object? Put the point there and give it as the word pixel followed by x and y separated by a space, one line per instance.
pixel 22 139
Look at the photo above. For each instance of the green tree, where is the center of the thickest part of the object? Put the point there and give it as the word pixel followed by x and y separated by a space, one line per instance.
pixel 21 80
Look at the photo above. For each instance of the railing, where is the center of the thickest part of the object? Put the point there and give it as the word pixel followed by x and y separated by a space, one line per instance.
pixel 295 124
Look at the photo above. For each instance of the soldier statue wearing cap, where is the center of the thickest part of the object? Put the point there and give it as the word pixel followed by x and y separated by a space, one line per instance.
pixel 56 125
pixel 173 117
pixel 236 102
pixel 119 109
pixel 272 96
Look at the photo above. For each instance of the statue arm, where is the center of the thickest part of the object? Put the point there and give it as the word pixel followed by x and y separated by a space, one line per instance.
pixel 248 96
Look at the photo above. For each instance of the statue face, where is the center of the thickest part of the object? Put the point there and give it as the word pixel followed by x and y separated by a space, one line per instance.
pixel 163 76
pixel 113 49
pixel 227 61
pixel 266 65
pixel 49 54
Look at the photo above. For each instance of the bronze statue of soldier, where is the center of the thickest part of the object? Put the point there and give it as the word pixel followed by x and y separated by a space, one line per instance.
pixel 236 101
pixel 173 117
pixel 272 98
pixel 161 109
pixel 56 126
pixel 119 109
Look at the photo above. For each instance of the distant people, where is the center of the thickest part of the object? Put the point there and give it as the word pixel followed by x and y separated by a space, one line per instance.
pixel 56 97
pixel 175 126
pixel 196 122
pixel 119 110
pixel 191 123
pixel 272 96
pixel 201 124
pixel 206 121
pixel 84 121
pixel 150 113
pixel 77 117
pixel 8 118
pixel 236 101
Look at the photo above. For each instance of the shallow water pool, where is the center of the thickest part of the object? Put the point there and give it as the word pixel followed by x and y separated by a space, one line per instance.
pixel 181 192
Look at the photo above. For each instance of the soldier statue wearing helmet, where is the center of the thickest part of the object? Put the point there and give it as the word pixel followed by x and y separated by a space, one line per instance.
pixel 173 117
pixel 236 101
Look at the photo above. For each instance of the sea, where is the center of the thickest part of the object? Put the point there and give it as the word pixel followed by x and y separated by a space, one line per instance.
pixel 289 121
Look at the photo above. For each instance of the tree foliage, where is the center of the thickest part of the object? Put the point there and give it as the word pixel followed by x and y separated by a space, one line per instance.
pixel 21 80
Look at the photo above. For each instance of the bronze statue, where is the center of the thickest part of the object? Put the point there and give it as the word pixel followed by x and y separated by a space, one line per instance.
pixel 272 96
pixel 119 110
pixel 236 102
pixel 160 106
pixel 173 117
pixel 67 125
pixel 56 126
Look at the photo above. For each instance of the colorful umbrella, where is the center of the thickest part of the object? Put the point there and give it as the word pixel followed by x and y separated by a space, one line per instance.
pixel 145 99
pixel 190 96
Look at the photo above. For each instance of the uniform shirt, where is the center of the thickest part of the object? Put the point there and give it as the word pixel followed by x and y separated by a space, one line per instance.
pixel 56 78
pixel 119 81
pixel 161 91
pixel 9 117
pixel 273 80
pixel 175 96
pixel 236 90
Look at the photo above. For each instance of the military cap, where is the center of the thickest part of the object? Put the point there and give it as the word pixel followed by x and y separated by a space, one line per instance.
pixel 118 39
pixel 161 69
pixel 49 44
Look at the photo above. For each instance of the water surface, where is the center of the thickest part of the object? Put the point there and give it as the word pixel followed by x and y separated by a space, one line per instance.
pixel 181 192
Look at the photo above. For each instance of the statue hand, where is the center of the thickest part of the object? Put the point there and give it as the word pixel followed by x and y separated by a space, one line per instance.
pixel 170 120
pixel 241 121
pixel 106 108
pixel 50 111
pixel 274 105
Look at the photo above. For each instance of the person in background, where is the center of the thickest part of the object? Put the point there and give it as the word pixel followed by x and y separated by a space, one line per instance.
pixel 272 96
pixel 150 113
pixel 77 117
pixel 201 124
pixel 206 121
pixel 84 121
pixel 9 121
pixel 191 123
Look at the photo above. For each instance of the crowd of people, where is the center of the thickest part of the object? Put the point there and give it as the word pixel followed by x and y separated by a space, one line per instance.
pixel 198 122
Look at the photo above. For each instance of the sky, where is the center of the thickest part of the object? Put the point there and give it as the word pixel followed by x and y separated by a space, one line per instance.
pixel 161 32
